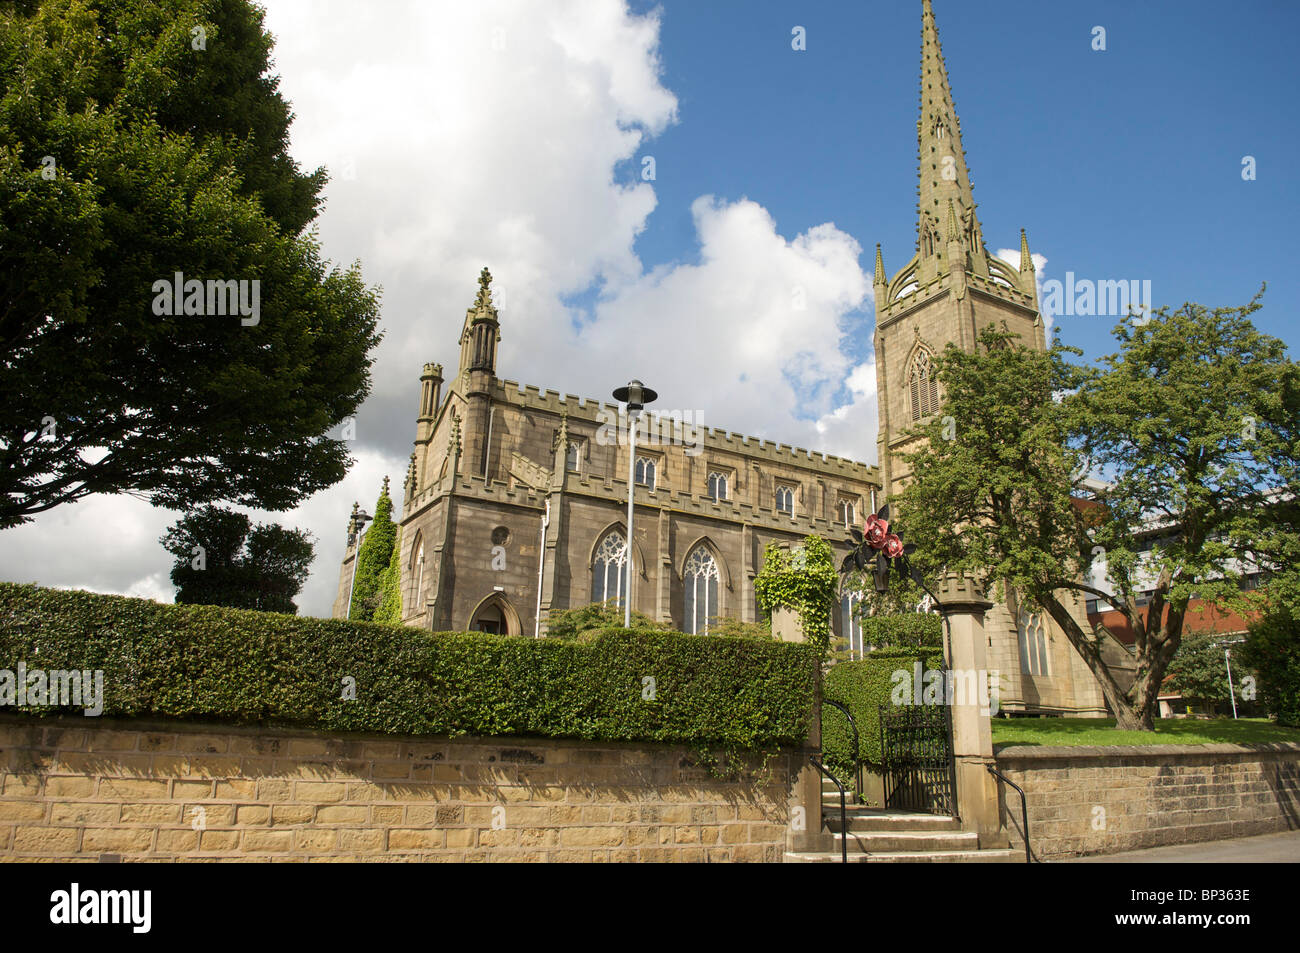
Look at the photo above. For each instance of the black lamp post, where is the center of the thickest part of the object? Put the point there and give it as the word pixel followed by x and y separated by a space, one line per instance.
pixel 359 520
pixel 636 395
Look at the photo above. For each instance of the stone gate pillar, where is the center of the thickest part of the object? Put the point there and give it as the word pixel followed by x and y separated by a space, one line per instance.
pixel 962 602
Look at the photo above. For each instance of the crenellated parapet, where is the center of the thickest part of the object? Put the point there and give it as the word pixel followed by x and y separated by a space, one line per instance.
pixel 667 429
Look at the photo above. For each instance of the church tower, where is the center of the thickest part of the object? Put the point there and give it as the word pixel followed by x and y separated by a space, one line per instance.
pixel 952 287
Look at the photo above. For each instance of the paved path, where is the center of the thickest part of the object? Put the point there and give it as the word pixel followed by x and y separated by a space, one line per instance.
pixel 1265 849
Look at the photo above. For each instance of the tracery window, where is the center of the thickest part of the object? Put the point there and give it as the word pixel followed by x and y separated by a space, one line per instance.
pixel 785 500
pixel 609 570
pixel 850 607
pixel 700 579
pixel 923 386
pixel 645 472
pixel 1031 627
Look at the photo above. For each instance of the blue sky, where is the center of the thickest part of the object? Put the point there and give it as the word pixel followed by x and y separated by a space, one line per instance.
pixel 1120 164
pixel 511 133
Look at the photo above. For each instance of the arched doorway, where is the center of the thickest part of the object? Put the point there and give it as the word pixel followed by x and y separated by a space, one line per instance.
pixel 495 614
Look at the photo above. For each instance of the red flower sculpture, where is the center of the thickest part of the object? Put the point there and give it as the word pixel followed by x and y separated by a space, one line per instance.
pixel 893 546
pixel 875 531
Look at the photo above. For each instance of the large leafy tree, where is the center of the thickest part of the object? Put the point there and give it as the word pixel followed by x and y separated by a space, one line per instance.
pixel 223 560
pixel 1196 416
pixel 139 140
pixel 1193 422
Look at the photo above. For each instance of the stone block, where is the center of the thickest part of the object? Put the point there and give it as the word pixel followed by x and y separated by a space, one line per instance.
pixel 158 813
pixel 35 811
pixel 247 815
pixel 361 841
pixel 97 840
pixel 267 841
pixel 353 816
pixel 47 840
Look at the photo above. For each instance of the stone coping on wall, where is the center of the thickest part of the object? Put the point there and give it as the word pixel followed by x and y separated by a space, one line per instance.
pixel 1129 752
pixel 338 745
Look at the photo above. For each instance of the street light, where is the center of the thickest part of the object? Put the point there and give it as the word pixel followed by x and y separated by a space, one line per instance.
pixel 636 395
pixel 1227 660
pixel 359 520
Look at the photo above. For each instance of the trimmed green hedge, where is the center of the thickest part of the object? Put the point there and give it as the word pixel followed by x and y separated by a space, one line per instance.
pixel 212 663
pixel 863 686
pixel 905 630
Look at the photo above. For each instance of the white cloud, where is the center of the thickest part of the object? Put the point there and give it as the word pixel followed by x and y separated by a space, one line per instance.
pixel 750 335
pixel 508 134
pixel 110 543
pixel 1012 257
pixel 850 429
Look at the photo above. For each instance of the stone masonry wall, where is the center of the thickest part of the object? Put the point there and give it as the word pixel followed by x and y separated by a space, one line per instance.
pixel 84 789
pixel 1100 800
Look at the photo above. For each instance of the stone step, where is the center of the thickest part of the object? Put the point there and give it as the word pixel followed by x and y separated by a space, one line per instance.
pixel 890 842
pixel 862 818
pixel 995 856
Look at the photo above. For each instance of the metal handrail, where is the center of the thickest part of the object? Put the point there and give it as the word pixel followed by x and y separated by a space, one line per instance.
pixel 857 748
pixel 1024 811
pixel 844 814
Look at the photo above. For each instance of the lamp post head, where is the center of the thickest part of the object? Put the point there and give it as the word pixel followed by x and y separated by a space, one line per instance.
pixel 636 395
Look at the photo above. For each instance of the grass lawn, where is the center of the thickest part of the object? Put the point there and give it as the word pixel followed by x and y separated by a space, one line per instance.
pixel 1169 731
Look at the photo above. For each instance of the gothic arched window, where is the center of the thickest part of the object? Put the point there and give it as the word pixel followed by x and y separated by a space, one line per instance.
pixel 417 571
pixel 717 486
pixel 784 500
pixel 851 622
pixel 645 472
pixel 700 596
pixel 1031 627
pixel 922 385
pixel 609 570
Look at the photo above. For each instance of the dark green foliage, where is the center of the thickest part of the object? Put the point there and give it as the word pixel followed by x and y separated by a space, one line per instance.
pixel 390 586
pixel 803 578
pixel 589 621
pixel 906 630
pixel 1199 672
pixel 372 560
pixel 241 566
pixel 998 480
pixel 209 663
pixel 162 159
pixel 735 629
pixel 1272 649
pixel 863 686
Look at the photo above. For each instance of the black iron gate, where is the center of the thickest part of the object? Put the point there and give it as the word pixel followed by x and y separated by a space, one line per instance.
pixel 916 751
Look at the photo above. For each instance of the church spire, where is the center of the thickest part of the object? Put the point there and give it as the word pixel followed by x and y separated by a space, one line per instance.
pixel 944 178
pixel 1026 259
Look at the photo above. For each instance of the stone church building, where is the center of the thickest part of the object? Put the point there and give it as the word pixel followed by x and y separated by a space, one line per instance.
pixel 515 498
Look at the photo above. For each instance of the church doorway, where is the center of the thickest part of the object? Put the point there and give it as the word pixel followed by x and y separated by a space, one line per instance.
pixel 495 614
